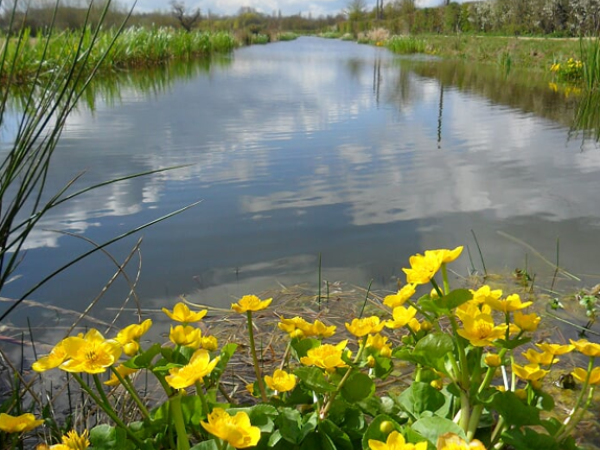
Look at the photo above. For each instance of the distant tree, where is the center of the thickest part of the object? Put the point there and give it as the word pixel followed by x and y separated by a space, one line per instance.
pixel 186 18
pixel 355 9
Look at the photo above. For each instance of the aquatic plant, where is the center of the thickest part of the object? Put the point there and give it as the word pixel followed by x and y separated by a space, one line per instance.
pixel 406 44
pixel 472 385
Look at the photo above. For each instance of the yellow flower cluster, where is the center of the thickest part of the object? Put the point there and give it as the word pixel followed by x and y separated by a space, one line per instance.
pixel 297 327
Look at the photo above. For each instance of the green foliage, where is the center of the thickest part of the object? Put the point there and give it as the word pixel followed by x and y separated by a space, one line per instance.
pixel 406 44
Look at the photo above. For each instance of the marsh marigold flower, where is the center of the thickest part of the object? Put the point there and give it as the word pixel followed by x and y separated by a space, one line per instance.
pixel 485 293
pixel 55 358
pixel 362 327
pixel 129 336
pixel 91 353
pixel 480 330
pixel 19 424
pixel 297 327
pixel 447 256
pixel 250 303
pixel 281 381
pixel 556 349
pixel 401 317
pixel 527 322
pixel 492 360
pixel 186 335
pixel 581 374
pixel 529 372
pixel 451 441
pixel 326 356
pixel 509 304
pixel 199 366
pixel 400 297
pixel 72 441
pixel 236 430
pixel 209 343
pixel 182 313
pixel 379 343
pixel 395 441
pixel 544 358
pixel 586 347
pixel 422 267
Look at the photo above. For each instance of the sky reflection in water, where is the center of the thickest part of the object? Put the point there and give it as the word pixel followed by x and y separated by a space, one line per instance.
pixel 317 147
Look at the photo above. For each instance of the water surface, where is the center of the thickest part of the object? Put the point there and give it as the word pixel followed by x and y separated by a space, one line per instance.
pixel 316 148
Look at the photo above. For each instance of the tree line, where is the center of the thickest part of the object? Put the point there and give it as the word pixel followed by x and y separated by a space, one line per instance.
pixel 511 17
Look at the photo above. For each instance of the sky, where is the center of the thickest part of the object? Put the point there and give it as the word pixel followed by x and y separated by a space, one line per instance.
pixel 287 7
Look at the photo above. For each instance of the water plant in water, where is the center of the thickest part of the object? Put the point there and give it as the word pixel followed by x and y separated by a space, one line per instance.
pixel 477 382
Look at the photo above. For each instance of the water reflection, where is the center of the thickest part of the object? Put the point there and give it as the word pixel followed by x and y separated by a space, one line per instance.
pixel 317 147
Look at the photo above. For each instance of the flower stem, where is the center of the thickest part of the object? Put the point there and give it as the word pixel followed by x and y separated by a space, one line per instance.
pixel 126 383
pixel 259 379
pixel 182 438
pixel 200 394
pixel 578 411
pixel 106 407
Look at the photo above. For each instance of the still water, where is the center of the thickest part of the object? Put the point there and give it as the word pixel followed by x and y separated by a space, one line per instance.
pixel 316 148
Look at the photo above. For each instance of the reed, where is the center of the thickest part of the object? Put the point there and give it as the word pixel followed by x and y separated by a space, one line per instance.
pixel 25 56
pixel 590 56
pixel 406 44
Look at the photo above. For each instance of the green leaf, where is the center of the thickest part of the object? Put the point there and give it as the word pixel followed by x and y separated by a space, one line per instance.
pixel 339 438
pixel 420 397
pixel 313 379
pixel 357 387
pixel 433 427
pixel 434 345
pixel 191 407
pixel 206 445
pixel 527 439
pixel 144 360
pixel 545 401
pixel 227 351
pixel 514 411
pixel 455 298
pixel 105 437
pixel 301 347
pixel 289 424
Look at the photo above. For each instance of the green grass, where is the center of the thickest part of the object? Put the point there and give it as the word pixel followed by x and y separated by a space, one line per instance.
pixel 136 47
pixel 406 44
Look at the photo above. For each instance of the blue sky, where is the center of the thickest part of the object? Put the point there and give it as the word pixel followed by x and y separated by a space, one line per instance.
pixel 315 7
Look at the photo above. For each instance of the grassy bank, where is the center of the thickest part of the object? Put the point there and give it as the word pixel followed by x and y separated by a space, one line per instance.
pixel 136 47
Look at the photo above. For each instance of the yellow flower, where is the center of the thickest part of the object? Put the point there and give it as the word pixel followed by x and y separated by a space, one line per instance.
pixel 326 356
pixel 400 297
pixel 423 267
pixel 484 293
pixel 186 335
pixel 54 359
pixel 414 325
pixel 90 353
pixel 209 343
pixel 73 441
pixel 527 322
pixel 471 309
pixel 586 347
pixel 451 441
pixel 181 313
pixel 529 372
pixel 236 430
pixel 447 256
pixel 395 441
pixel 250 303
pixel 401 317
pixel 556 349
pixel 492 360
pixel 319 329
pixel 544 358
pixel 379 343
pixel 281 381
pixel 199 366
pixel 581 374
pixel 124 371
pixel 297 327
pixel 129 336
pixel 362 327
pixel 480 330
pixel 19 424
pixel 509 304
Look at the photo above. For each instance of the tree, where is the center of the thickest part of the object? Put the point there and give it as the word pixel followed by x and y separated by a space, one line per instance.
pixel 355 9
pixel 186 18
